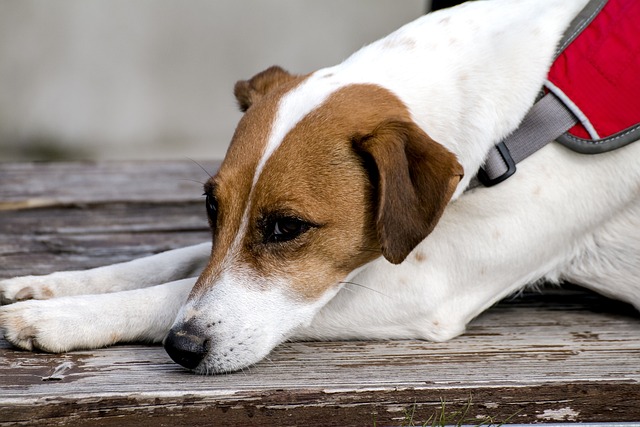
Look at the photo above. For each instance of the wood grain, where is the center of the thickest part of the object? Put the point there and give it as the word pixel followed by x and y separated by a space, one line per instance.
pixel 565 355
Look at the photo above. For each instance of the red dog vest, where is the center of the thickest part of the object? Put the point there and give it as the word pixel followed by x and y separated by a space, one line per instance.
pixel 592 101
pixel 597 76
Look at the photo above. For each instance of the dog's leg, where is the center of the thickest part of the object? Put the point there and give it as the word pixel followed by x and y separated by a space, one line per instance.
pixel 93 321
pixel 152 270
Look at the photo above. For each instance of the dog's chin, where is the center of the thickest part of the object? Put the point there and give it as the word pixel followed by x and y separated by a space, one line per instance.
pixel 217 364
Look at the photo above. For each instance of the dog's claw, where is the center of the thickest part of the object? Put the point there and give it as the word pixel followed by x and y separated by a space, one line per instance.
pixel 16 330
pixel 24 294
pixel 23 288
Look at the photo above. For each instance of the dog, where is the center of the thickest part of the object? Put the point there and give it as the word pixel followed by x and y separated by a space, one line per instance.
pixel 343 208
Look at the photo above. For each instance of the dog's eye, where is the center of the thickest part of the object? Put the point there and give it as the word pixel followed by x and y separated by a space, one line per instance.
pixel 285 229
pixel 212 208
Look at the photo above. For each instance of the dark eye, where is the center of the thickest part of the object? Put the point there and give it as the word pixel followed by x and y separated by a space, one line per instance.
pixel 212 208
pixel 285 229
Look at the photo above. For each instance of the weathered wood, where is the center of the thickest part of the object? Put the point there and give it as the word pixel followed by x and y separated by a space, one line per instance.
pixel 81 215
pixel 563 355
pixel 29 185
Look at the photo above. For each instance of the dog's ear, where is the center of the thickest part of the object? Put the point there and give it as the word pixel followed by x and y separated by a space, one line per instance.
pixel 247 92
pixel 414 178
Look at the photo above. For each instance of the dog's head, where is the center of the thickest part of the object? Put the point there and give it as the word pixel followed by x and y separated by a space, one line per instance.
pixel 321 177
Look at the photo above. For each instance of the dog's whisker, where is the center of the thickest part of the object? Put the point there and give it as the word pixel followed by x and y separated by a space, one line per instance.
pixel 200 166
pixel 364 287
pixel 192 180
pixel 349 289
pixel 286 345
pixel 268 359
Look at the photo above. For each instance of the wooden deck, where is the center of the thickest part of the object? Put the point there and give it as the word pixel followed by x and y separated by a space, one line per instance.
pixel 559 356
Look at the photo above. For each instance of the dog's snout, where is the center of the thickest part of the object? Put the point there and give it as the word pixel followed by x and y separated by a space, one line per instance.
pixel 185 347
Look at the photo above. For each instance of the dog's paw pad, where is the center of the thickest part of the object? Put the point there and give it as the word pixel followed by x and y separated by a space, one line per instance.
pixel 27 334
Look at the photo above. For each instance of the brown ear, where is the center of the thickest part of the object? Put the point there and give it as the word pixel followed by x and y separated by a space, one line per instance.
pixel 247 92
pixel 414 177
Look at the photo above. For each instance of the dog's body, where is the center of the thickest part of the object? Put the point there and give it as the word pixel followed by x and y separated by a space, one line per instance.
pixel 331 179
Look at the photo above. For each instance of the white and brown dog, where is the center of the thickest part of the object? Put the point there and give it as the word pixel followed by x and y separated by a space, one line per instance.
pixel 359 174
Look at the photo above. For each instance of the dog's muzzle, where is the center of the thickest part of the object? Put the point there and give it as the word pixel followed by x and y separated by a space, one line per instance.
pixel 185 346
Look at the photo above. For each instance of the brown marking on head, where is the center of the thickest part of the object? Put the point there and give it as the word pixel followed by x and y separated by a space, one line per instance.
pixel 316 175
pixel 361 173
pixel 231 186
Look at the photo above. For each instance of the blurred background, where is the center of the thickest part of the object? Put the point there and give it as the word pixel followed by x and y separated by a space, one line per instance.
pixel 153 79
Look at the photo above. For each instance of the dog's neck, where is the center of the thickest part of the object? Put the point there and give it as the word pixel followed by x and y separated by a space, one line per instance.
pixel 443 65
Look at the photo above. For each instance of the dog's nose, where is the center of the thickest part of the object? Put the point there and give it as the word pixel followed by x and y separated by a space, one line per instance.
pixel 185 348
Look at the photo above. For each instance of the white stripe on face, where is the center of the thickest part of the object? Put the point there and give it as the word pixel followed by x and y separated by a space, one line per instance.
pixel 293 107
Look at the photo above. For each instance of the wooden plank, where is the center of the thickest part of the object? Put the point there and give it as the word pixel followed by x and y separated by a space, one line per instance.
pixel 83 236
pixel 28 185
pixel 558 356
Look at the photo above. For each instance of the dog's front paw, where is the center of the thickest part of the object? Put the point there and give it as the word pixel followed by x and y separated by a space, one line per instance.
pixel 49 325
pixel 24 288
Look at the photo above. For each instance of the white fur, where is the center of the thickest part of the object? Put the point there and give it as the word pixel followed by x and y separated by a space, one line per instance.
pixel 468 75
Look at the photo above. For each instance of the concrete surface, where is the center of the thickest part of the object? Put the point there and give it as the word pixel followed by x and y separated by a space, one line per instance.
pixel 123 79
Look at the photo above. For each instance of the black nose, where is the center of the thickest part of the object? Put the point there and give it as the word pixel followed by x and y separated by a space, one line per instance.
pixel 185 348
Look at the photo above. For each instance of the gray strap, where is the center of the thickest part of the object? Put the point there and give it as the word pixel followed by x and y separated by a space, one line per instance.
pixel 545 121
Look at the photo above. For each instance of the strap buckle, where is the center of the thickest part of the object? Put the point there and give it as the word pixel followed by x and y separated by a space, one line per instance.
pixel 508 161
